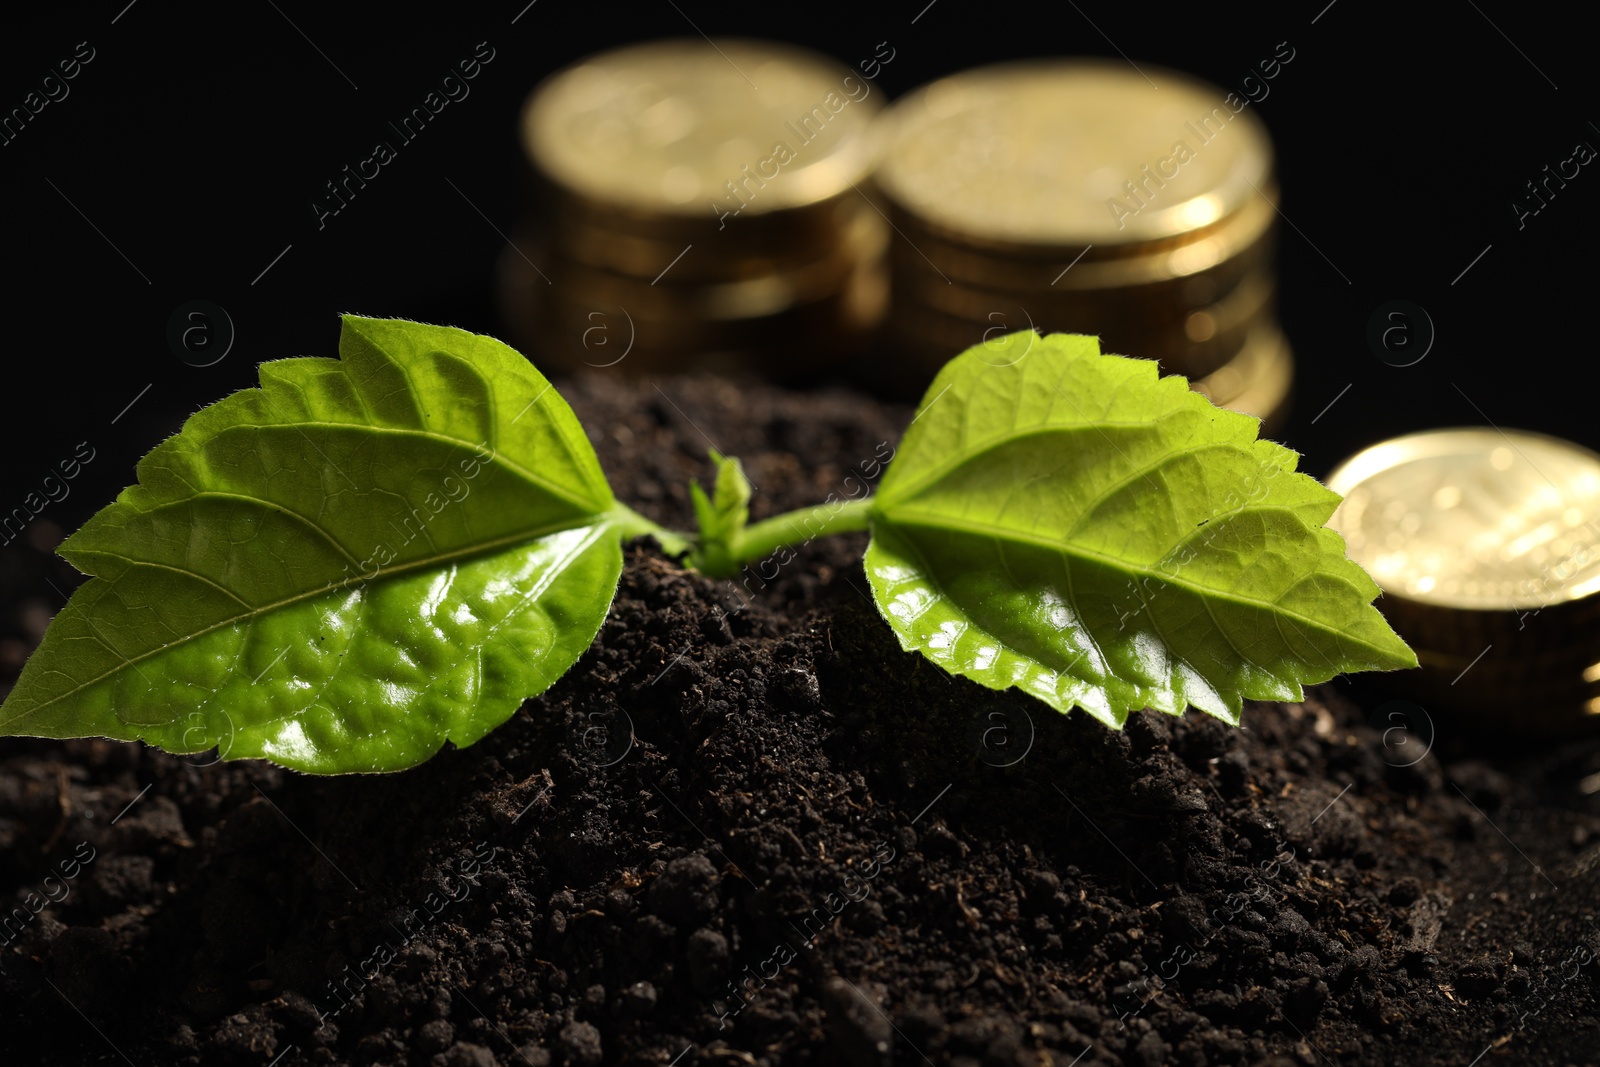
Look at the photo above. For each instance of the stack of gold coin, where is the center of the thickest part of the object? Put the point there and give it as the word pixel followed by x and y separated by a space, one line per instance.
pixel 1486 545
pixel 1087 197
pixel 699 205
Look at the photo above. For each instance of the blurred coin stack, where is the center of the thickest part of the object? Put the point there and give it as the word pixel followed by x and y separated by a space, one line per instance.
pixel 1486 545
pixel 1087 197
pixel 698 208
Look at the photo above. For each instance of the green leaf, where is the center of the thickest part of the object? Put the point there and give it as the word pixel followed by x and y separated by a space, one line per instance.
pixel 1067 523
pixel 342 569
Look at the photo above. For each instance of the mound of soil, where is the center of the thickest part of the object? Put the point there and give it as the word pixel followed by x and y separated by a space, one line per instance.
pixel 747 829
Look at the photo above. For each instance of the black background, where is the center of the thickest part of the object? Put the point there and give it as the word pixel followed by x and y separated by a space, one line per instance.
pixel 197 137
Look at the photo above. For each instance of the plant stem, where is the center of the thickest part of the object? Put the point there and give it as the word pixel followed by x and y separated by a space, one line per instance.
pixel 797 527
pixel 754 542
pixel 632 524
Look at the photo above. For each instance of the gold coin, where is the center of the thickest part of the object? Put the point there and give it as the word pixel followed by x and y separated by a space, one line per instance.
pixel 1131 298
pixel 732 258
pixel 669 298
pixel 1498 689
pixel 793 343
pixel 805 225
pixel 1256 381
pixel 1568 632
pixel 567 327
pixel 1474 519
pixel 1138 326
pixel 1194 343
pixel 1544 670
pixel 1212 335
pixel 698 128
pixel 1072 153
pixel 1211 260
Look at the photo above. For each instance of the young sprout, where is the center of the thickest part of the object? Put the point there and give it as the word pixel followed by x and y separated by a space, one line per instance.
pixel 371 555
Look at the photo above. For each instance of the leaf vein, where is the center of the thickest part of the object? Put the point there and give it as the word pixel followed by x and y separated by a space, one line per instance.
pixel 185 571
pixel 904 517
pixel 413 565
pixel 965 454
pixel 522 472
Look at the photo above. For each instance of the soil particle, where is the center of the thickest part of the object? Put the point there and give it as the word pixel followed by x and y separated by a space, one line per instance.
pixel 580 1044
pixel 84 962
pixel 466 1055
pixel 859 1029
pixel 747 828
pixel 685 893
pixel 639 998
pixel 708 960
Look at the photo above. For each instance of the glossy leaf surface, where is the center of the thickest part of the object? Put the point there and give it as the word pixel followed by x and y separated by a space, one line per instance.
pixel 1070 524
pixel 341 569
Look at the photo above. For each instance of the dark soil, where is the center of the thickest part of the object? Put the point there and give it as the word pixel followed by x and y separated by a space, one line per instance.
pixel 815 818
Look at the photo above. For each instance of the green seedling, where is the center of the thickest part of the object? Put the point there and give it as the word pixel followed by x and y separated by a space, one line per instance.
pixel 369 556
